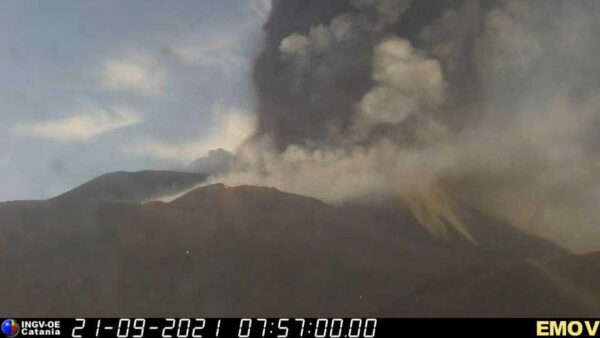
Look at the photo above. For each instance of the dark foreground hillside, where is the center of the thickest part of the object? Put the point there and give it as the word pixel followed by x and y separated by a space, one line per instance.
pixel 253 251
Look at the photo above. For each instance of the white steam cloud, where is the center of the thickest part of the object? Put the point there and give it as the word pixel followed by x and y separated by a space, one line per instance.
pixel 406 83
pixel 321 37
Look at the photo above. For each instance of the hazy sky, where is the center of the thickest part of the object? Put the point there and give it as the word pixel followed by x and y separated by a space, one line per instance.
pixel 92 87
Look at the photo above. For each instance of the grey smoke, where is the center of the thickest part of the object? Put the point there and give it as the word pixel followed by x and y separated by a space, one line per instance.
pixel 218 161
pixel 494 104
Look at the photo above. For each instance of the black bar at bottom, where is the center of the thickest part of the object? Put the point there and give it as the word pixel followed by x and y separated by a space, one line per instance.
pixel 299 327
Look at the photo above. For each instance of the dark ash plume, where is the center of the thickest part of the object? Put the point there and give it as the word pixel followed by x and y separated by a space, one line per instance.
pixel 301 100
pixel 494 104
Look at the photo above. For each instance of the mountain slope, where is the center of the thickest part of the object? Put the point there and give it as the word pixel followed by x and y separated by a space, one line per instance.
pixel 252 251
pixel 550 287
pixel 132 186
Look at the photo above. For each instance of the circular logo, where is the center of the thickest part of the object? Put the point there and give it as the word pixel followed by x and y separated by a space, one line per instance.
pixel 10 328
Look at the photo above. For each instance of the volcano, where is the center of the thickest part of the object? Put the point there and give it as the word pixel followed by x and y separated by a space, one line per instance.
pixel 258 251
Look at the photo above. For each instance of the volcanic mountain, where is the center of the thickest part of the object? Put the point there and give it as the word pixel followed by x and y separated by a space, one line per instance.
pixel 132 186
pixel 256 251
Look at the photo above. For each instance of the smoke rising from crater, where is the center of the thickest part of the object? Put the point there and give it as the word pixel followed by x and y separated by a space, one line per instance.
pixel 491 104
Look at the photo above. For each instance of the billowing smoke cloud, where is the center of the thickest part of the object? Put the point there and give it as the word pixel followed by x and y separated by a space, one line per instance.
pixel 218 161
pixel 490 104
pixel 406 83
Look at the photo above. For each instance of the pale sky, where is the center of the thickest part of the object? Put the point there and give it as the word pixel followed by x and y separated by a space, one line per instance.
pixel 89 87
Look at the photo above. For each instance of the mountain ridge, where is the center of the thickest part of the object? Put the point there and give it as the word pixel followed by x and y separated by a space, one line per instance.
pixel 132 186
pixel 258 251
